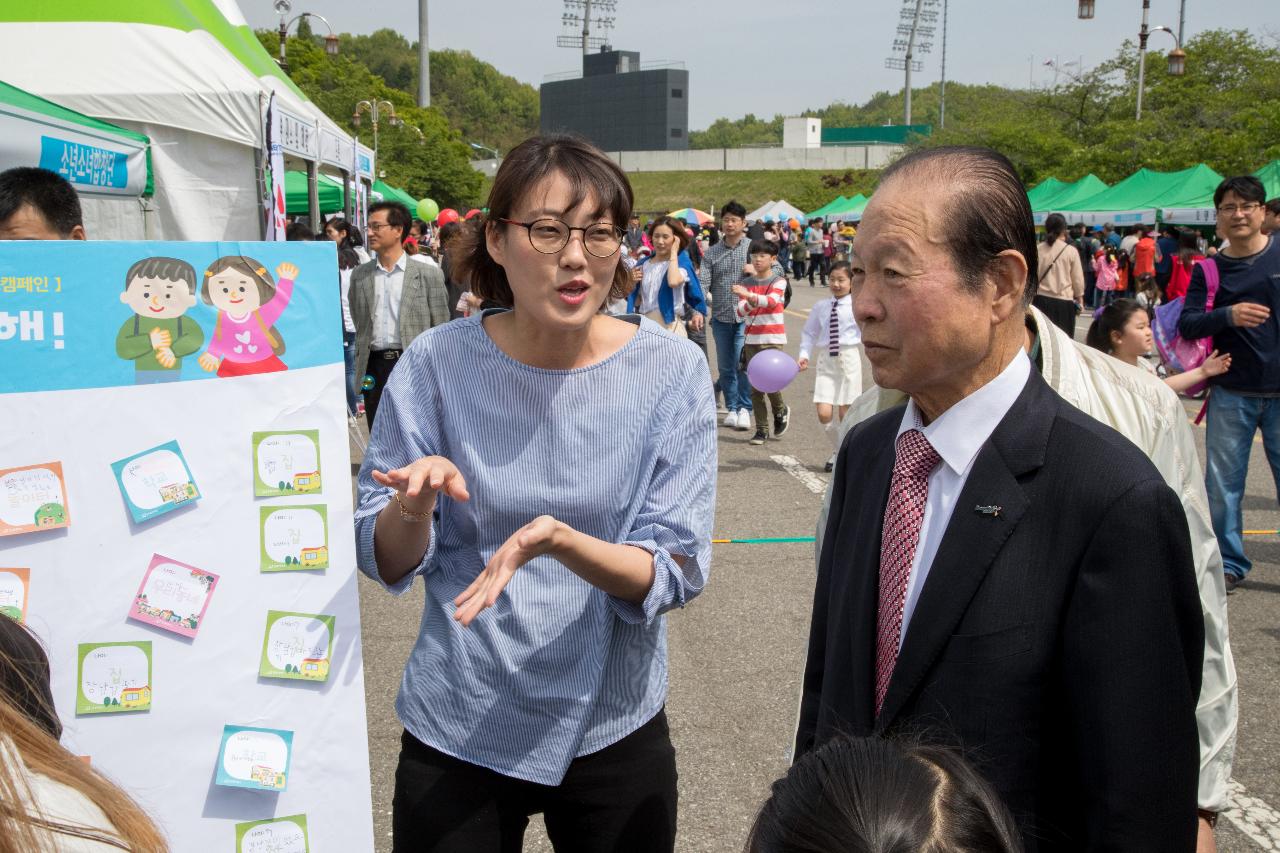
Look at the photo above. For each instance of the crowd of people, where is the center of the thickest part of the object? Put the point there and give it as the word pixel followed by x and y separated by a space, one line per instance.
pixel 1008 508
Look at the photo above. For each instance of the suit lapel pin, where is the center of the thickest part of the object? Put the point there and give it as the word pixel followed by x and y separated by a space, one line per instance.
pixel 989 511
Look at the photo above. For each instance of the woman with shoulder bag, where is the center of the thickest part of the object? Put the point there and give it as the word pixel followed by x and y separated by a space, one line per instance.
pixel 1060 279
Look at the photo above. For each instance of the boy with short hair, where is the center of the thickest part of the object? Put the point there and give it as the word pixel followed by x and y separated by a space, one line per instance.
pixel 762 297
pixel 156 337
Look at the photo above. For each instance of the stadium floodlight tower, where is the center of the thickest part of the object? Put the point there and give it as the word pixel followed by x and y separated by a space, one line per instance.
pixel 915 35
pixel 582 18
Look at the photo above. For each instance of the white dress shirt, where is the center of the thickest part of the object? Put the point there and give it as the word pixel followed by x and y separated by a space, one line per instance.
pixel 388 287
pixel 957 435
pixel 817 329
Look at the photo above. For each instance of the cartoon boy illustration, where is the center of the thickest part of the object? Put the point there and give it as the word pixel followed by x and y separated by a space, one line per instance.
pixel 157 336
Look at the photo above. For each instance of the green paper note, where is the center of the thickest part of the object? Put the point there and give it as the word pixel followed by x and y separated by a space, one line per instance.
pixel 297 645
pixel 294 538
pixel 286 462
pixel 113 677
pixel 274 835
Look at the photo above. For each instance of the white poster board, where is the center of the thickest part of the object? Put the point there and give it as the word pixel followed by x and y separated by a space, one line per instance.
pixel 78 397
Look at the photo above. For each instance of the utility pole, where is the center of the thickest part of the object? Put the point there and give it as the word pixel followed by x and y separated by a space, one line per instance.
pixel 586 27
pixel 942 107
pixel 1182 20
pixel 424 57
pixel 911 50
pixel 1143 35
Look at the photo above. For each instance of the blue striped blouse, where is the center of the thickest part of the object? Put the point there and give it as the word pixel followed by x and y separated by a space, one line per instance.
pixel 623 450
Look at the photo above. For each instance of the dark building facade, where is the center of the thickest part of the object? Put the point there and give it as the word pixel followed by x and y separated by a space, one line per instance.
pixel 619 107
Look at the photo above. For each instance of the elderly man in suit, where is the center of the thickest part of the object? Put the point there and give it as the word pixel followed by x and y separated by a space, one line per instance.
pixel 392 301
pixel 1000 571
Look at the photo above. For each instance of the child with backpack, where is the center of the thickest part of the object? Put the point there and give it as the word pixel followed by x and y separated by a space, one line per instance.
pixel 1123 330
pixel 762 298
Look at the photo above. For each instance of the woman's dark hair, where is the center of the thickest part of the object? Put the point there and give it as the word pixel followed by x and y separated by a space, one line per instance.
pixel 592 177
pixel 1188 248
pixel 241 264
pixel 1273 206
pixel 24 676
pixel 448 231
pixel 299 232
pixel 397 215
pixel 1113 318
pixel 873 795
pixel 733 208
pixel 986 208
pixel 762 246
pixel 1248 187
pixel 677 228
pixel 347 257
pixel 1054 226
pixel 422 226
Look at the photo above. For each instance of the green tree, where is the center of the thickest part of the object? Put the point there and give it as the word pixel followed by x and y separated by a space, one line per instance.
pixel 435 165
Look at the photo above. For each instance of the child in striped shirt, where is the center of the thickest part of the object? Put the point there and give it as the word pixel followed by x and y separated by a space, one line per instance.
pixel 761 300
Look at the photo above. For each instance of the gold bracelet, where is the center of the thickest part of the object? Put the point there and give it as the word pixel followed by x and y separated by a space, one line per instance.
pixel 409 515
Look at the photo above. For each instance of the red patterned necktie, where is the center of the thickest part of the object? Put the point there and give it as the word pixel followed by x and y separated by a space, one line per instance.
pixel 903 516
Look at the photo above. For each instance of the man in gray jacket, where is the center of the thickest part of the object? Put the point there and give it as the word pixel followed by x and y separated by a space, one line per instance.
pixel 392 300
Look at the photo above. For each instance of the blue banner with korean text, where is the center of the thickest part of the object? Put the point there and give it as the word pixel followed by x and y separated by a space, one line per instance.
pixel 86 314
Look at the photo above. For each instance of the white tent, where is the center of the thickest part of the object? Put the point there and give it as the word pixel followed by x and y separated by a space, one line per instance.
pixel 760 212
pixel 190 75
pixel 778 210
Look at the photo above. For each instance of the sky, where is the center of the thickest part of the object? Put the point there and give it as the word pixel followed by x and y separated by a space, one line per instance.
pixel 784 56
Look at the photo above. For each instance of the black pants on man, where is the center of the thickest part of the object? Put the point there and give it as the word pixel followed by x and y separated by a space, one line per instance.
pixel 818 264
pixel 381 363
pixel 621 799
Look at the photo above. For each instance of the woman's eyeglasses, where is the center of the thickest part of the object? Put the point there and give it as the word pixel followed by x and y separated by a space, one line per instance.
pixel 549 236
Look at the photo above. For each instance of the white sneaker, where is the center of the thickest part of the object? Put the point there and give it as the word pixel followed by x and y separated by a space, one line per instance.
pixel 744 420
pixel 730 420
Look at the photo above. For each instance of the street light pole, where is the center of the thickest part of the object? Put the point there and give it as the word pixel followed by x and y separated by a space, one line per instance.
pixel 424 58
pixel 374 108
pixel 1143 35
pixel 283 7
pixel 911 52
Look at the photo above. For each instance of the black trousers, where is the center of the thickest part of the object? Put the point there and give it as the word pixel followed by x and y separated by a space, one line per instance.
pixel 381 363
pixel 1062 312
pixel 621 799
pixel 818 264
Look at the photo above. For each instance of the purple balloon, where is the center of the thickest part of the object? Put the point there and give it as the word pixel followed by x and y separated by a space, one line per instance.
pixel 771 370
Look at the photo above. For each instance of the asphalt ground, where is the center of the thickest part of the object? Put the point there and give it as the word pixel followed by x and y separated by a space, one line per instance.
pixel 736 652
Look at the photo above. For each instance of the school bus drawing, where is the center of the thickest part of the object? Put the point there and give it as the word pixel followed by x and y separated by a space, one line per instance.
pixel 317 668
pixel 135 697
pixel 315 556
pixel 307 482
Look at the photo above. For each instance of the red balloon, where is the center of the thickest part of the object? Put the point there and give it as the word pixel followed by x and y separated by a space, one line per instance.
pixel 472 212
pixel 447 215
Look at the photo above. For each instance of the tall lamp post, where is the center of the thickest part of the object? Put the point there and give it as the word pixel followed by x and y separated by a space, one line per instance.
pixel 1177 57
pixel 375 108
pixel 283 8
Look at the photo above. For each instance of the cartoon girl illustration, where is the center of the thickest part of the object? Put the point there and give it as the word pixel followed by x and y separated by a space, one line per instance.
pixel 248 303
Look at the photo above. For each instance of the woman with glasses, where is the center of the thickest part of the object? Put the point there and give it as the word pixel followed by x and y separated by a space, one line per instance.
pixel 549 471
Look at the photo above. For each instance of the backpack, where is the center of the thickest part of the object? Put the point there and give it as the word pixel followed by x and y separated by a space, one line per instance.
pixel 1178 352
pixel 786 300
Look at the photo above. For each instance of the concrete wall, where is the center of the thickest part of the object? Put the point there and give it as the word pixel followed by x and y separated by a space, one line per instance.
pixel 758 159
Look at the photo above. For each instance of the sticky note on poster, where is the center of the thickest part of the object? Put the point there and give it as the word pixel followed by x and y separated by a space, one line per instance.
pixel 254 758
pixel 173 596
pixel 297 645
pixel 274 835
pixel 286 462
pixel 155 481
pixel 33 497
pixel 294 538
pixel 14 587
pixel 113 677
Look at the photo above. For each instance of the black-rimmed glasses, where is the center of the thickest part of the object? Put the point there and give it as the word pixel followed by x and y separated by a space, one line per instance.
pixel 549 236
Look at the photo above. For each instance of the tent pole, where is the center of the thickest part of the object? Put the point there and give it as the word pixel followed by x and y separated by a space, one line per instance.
pixel 348 200
pixel 313 194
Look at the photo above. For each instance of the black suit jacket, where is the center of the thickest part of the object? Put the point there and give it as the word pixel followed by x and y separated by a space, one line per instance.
pixel 1058 644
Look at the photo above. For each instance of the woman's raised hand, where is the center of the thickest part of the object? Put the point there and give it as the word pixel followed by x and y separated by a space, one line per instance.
pixel 533 540
pixel 421 480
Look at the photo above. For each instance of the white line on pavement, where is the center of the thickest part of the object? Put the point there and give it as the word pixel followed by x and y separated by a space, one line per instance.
pixel 792 466
pixel 1253 817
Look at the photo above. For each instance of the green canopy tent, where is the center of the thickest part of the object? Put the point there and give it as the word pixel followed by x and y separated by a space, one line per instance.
pixel 109 166
pixel 295 193
pixel 1138 198
pixel 1203 213
pixel 390 193
pixel 828 207
pixel 1041 193
pixel 1065 196
pixel 850 211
